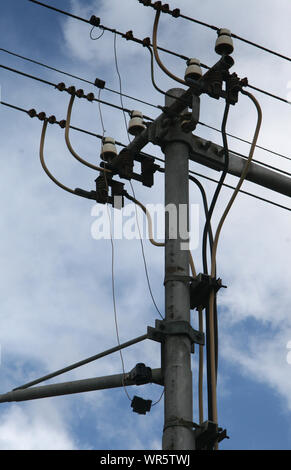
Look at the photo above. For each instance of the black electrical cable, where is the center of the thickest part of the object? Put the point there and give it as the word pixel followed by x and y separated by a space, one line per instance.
pixel 98 37
pixel 210 385
pixel 217 191
pixel 99 136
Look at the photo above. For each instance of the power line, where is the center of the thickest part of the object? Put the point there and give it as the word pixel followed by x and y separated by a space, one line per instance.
pixel 76 77
pixel 176 13
pixel 147 117
pixel 129 36
pixel 99 136
pixel 131 185
pixel 245 141
pixel 46 82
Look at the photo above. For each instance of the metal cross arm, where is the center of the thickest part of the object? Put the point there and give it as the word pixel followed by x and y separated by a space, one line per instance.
pixel 212 155
pixel 77 386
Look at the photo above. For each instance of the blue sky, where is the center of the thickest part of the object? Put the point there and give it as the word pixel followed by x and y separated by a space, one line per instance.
pixel 55 282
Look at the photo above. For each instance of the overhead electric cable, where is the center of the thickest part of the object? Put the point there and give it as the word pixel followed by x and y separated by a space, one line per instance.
pixel 46 82
pixel 177 14
pixel 215 243
pixel 139 100
pixel 217 191
pixel 98 136
pixel 41 154
pixel 82 79
pixel 132 188
pixel 67 138
pixel 157 57
pixel 139 41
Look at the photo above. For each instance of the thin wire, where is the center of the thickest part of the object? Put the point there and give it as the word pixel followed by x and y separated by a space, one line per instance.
pixel 101 115
pixel 143 253
pixel 139 41
pixel 248 142
pixel 98 37
pixel 77 77
pixel 132 188
pixel 217 29
pixel 98 136
pixel 158 401
pixel 55 85
pixel 113 293
pixel 120 84
pixel 151 239
pixel 151 104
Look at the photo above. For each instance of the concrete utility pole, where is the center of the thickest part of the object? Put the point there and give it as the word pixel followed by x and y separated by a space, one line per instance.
pixel 177 348
pixel 172 131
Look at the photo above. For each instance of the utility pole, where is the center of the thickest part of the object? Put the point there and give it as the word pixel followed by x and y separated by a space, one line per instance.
pixel 178 403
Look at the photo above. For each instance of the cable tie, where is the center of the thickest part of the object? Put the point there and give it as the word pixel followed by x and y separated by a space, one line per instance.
pixel 146 42
pixel 90 97
pixel 61 86
pixel 71 90
pixel 99 83
pixel 52 119
pixel 165 8
pixel 32 113
pixel 157 6
pixel 94 21
pixel 41 116
pixel 62 124
pixel 80 93
pixel 128 35
pixel 176 12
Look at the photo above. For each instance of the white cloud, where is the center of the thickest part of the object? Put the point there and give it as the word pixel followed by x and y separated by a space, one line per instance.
pixel 34 428
pixel 56 302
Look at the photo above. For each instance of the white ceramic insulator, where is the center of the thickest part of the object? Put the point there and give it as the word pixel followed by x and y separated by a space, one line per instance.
pixel 193 70
pixel 224 43
pixel 136 124
pixel 108 148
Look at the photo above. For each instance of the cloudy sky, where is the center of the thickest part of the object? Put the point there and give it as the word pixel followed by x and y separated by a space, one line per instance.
pixel 55 281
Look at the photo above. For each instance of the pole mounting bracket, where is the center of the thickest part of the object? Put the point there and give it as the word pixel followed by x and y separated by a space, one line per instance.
pixel 165 328
pixel 207 434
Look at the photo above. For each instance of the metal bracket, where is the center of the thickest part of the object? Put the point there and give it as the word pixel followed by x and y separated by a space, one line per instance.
pixel 164 328
pixel 140 374
pixel 123 165
pixel 200 289
pixel 102 191
pixel 207 434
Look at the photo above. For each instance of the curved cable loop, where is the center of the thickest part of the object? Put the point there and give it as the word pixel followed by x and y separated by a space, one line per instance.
pixel 150 231
pixel 70 148
pixel 43 164
pixel 241 180
pixel 98 37
pixel 154 41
